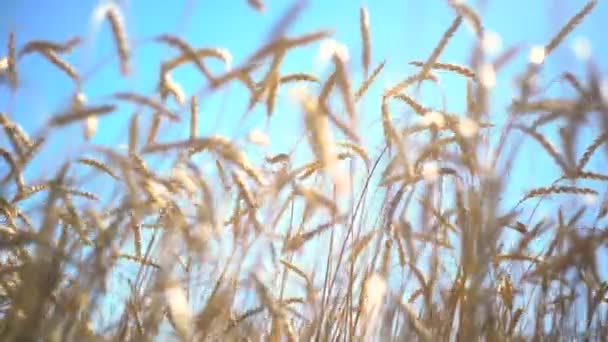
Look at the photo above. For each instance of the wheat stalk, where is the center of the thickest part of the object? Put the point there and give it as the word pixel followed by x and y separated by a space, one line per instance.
pixel 117 24
pixel 11 61
pixel 299 77
pixel 368 81
pixel 426 67
pixel 570 26
pixel 81 114
pixel 365 36
pixel 147 101
pixel 597 142
pixel 98 165
pixel 187 50
pixel 557 189
pixel 45 45
pixel 193 117
pixel 456 68
pixel 469 14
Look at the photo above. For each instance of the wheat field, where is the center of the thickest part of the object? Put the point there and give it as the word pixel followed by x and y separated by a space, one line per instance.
pixel 361 208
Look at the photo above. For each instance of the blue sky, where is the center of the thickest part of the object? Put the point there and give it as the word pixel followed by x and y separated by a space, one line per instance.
pixel 402 31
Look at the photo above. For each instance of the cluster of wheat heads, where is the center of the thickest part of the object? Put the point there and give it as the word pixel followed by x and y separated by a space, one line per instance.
pixel 416 245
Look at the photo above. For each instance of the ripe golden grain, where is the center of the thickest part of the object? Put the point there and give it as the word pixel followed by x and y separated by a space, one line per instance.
pixel 418 108
pixel 11 62
pixel 366 38
pixel 133 133
pixel 45 45
pixel 298 240
pixel 17 137
pixel 557 157
pixel 258 5
pixel 368 81
pixel 455 68
pixel 470 15
pixel 344 84
pixel 193 117
pixel 154 128
pixel 298 77
pixel 183 207
pixel 557 189
pixel 52 57
pixel 147 101
pixel 187 51
pixel 168 86
pixel 81 114
pixel 117 24
pixel 597 142
pixel 99 166
pixel 570 26
pixel 220 53
pixel 426 67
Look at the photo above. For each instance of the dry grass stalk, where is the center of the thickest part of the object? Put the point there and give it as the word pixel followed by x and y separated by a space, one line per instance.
pixel 52 57
pixel 17 137
pixel 547 105
pixel 469 14
pixel 28 191
pixel 193 117
pixel 133 133
pixel 548 147
pixel 279 158
pixel 422 331
pixel 274 81
pixel 361 244
pixel 359 150
pixel 117 24
pixel 168 86
pixel 315 198
pixel 557 189
pixel 597 142
pixel 147 101
pixel 320 136
pixel 295 269
pixel 505 57
pixel 11 61
pixel 296 242
pixel 390 134
pixel 81 114
pixel 99 166
pixel 591 175
pixel 258 5
pixel 344 84
pixel 239 180
pixel 418 108
pixel 188 51
pixel 298 77
pixel 396 89
pixel 138 260
pixel 85 194
pixel 426 67
pixel 282 44
pixel 570 26
pixel 455 68
pixel 56 227
pixel 368 81
pixel 90 124
pixel 45 45
pixel 366 37
pixel 8 158
pixel 575 83
pixel 187 56
pixel 154 128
